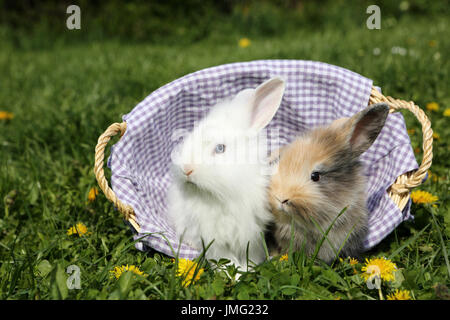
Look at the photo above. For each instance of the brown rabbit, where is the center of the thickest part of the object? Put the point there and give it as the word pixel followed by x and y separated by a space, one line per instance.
pixel 318 175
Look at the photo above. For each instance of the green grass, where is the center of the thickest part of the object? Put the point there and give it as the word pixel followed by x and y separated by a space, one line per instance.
pixel 65 95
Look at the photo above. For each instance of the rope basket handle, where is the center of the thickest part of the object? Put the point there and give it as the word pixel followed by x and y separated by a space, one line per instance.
pixel 398 192
pixel 126 210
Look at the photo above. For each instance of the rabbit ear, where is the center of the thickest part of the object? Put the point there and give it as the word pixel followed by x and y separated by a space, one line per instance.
pixel 266 100
pixel 365 126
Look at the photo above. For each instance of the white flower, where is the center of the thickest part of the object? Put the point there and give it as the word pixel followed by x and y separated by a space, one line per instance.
pixel 399 50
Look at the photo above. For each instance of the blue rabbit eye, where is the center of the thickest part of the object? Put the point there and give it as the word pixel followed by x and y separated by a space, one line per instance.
pixel 220 148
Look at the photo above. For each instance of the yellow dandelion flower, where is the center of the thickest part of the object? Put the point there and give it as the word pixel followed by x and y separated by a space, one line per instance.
pixel 118 271
pixel 432 106
pixel 80 229
pixel 284 257
pixel 399 295
pixel 244 42
pixel 5 115
pixel 432 43
pixel 187 269
pixel 447 112
pixel 411 131
pixel 436 136
pixel 423 197
pixel 381 267
pixel 92 194
pixel 353 261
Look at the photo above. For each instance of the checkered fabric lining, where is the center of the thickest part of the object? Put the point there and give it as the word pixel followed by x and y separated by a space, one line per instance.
pixel 316 94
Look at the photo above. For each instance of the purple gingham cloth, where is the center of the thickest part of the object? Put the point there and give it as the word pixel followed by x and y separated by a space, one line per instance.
pixel 316 94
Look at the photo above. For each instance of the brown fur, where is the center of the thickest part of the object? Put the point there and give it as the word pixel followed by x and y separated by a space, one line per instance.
pixel 333 151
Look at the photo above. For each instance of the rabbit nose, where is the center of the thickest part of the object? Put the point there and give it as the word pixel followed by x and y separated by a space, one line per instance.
pixel 187 170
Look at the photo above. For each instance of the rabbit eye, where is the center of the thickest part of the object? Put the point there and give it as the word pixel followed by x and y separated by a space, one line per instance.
pixel 315 176
pixel 220 148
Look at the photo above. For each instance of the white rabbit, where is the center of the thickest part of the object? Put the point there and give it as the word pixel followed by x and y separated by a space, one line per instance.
pixel 219 189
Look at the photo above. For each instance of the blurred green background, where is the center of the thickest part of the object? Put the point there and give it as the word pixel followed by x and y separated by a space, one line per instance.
pixel 175 21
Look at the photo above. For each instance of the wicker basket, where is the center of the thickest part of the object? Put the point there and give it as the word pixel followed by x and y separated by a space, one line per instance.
pixel 399 191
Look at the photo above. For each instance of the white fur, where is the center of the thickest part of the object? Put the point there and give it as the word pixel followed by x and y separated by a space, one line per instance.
pixel 224 200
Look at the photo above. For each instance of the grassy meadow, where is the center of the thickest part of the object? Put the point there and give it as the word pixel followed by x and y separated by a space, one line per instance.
pixel 60 89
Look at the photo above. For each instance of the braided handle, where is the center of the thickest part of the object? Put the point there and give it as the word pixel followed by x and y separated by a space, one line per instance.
pixel 126 210
pixel 399 191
